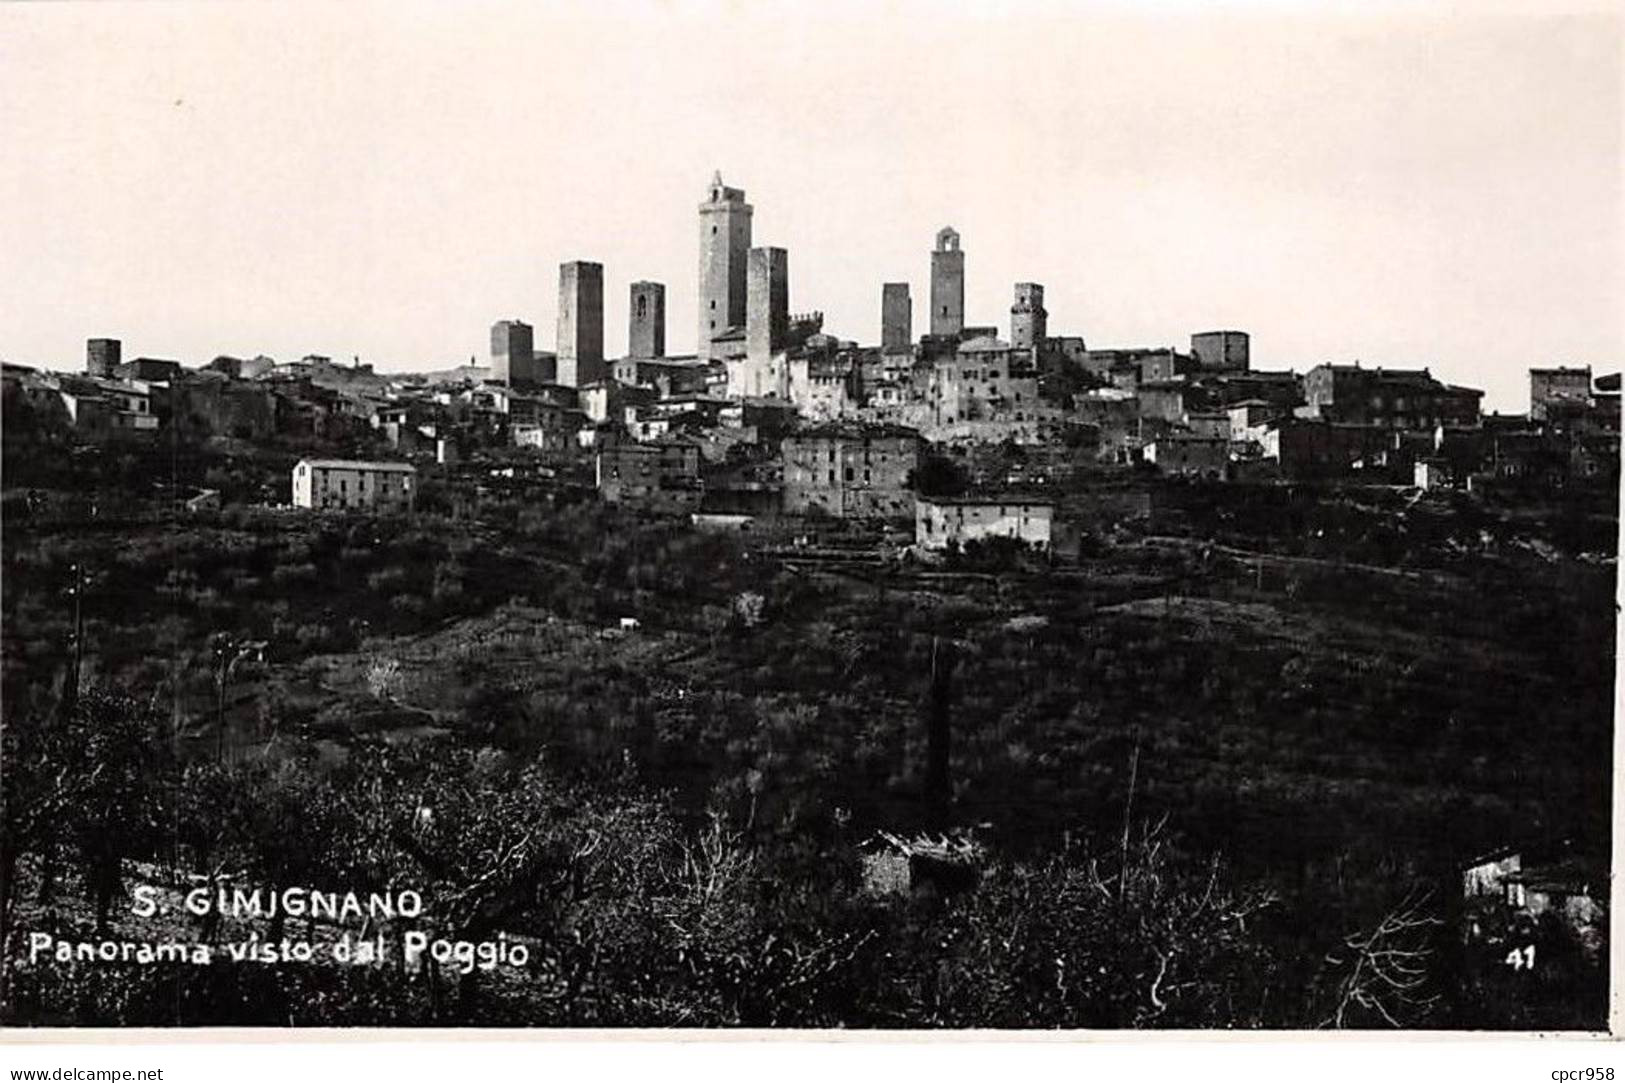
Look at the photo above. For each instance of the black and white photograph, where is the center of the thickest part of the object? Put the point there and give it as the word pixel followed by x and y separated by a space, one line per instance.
pixel 767 518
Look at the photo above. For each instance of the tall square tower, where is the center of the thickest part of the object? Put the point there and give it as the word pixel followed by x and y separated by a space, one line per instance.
pixel 581 323
pixel 1220 349
pixel 724 248
pixel 896 317
pixel 102 356
pixel 947 284
pixel 513 352
pixel 646 320
pixel 1029 321
pixel 767 308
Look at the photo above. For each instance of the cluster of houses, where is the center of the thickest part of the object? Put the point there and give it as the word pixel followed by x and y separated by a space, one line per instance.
pixel 1507 893
pixel 772 415
pixel 256 401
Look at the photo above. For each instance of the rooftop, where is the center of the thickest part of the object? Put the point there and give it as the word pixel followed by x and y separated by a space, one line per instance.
pixel 854 430
pixel 1186 437
pixel 1131 351
pixel 686 360
pixel 1381 372
pixel 1261 374
pixel 990 498
pixel 1573 875
pixel 357 464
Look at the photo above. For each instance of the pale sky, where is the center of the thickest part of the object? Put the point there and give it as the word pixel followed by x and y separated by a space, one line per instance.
pixel 1418 187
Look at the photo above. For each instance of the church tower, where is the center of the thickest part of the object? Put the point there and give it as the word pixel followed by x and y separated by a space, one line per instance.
pixel 947 284
pixel 724 251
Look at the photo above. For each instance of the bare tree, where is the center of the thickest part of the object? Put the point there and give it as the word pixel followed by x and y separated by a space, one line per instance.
pixel 1387 968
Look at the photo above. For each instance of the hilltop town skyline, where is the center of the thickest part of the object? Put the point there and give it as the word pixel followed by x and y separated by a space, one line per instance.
pixel 699 516
pixel 918 287
pixel 1399 198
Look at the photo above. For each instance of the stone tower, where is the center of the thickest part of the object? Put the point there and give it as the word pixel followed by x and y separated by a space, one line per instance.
pixel 1220 349
pixel 513 352
pixel 947 284
pixel 1029 322
pixel 724 248
pixel 767 306
pixel 646 320
pixel 581 323
pixel 102 356
pixel 896 317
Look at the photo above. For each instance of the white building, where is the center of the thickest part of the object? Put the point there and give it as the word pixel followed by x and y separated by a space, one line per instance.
pixel 342 483
pixel 1431 474
pixel 939 521
pixel 1189 454
pixel 109 405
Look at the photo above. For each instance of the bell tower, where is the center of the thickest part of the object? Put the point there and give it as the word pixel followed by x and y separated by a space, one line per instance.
pixel 947 284
pixel 724 251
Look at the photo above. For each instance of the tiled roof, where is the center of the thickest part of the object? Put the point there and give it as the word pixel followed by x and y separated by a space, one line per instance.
pixel 358 464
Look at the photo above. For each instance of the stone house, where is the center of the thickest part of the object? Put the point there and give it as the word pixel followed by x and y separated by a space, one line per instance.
pixel 1189 454
pixel 851 471
pixel 662 475
pixel 347 484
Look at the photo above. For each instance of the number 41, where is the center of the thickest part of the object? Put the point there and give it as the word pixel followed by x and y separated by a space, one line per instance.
pixel 1521 958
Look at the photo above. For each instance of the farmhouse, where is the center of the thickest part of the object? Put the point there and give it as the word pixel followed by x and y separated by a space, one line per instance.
pixel 943 521
pixel 352 484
